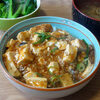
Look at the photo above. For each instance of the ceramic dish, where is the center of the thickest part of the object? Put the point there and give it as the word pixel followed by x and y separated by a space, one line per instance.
pixel 91 23
pixel 6 23
pixel 75 30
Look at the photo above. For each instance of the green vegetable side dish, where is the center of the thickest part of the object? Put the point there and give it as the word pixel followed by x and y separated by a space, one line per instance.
pixel 16 8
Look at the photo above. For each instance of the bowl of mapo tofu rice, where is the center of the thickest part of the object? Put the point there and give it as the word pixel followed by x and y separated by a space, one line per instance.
pixel 46 57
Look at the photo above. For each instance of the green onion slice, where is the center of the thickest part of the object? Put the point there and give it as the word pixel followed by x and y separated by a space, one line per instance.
pixel 43 37
pixel 54 49
pixel 38 74
pixel 80 67
pixel 54 79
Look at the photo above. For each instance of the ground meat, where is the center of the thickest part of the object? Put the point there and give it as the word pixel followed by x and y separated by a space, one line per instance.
pixel 91 54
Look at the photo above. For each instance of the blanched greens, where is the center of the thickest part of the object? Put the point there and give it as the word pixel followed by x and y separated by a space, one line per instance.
pixel 16 8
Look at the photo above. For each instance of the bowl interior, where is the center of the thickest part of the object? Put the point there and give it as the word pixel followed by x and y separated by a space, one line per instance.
pixel 72 27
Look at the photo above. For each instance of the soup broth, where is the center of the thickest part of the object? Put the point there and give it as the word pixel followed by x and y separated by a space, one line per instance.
pixel 91 8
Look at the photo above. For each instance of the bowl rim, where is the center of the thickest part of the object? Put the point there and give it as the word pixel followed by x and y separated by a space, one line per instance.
pixel 50 89
pixel 38 6
pixel 73 2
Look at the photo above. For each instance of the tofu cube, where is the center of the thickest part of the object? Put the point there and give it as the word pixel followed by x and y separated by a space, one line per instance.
pixel 30 75
pixel 51 42
pixel 70 53
pixel 41 61
pixel 32 79
pixel 61 45
pixel 79 44
pixel 37 82
pixel 23 36
pixel 13 43
pixel 35 50
pixel 66 80
pixel 53 67
pixel 41 28
pixel 10 65
pixel 35 38
pixel 24 55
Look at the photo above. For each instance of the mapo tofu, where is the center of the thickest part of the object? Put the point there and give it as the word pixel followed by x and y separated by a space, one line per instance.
pixel 44 58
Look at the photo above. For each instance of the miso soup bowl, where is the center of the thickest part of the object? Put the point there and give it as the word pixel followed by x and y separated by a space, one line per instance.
pixel 70 26
pixel 90 23
pixel 6 23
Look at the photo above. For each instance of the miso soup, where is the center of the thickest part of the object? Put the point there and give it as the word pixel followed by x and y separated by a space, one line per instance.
pixel 91 8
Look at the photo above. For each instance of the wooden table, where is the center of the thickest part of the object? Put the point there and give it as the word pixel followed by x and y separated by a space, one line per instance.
pixel 61 8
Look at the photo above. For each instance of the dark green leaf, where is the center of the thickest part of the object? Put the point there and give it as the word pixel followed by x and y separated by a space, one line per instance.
pixel 1 5
pixel 28 7
pixel 0 13
pixel 35 3
pixel 4 12
pixel 17 13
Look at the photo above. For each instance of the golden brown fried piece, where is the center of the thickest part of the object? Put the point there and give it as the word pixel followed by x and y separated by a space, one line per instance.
pixel 23 36
pixel 41 28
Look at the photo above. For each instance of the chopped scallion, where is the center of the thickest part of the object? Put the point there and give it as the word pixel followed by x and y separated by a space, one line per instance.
pixel 43 37
pixel 80 67
pixel 38 74
pixel 54 49
pixel 54 79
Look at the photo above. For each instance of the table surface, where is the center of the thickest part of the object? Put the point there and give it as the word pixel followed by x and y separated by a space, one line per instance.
pixel 61 8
